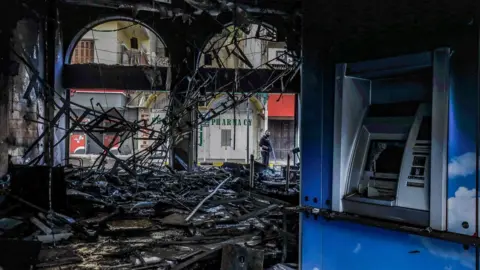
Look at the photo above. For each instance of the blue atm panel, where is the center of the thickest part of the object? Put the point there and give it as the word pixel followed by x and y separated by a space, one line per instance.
pixel 339 245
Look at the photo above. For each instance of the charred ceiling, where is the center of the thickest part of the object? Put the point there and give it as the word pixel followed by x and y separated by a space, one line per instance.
pixel 186 6
pixel 177 28
pixel 358 30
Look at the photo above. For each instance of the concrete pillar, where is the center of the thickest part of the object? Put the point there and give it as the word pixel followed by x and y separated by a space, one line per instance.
pixel 21 61
pixel 7 69
pixel 185 147
pixel 50 54
pixel 23 92
pixel 61 150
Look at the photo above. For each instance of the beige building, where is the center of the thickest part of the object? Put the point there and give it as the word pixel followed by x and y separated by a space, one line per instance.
pixel 232 136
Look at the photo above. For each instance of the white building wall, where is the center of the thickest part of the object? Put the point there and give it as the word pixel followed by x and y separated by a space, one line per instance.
pixel 157 113
pixel 106 43
pixel 275 53
pixel 253 48
pixel 238 136
pixel 210 136
pixel 149 115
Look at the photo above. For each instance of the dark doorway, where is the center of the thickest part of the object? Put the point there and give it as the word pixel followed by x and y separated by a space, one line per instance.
pixel 282 137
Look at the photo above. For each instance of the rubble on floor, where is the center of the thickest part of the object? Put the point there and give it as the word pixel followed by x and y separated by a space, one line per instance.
pixel 139 213
pixel 159 219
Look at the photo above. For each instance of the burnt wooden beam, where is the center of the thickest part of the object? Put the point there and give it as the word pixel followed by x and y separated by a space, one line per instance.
pixel 99 76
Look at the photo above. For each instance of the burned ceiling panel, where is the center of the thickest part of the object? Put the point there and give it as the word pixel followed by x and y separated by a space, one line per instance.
pixel 214 80
pixel 213 6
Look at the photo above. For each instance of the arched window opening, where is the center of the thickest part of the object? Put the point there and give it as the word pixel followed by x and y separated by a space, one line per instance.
pixel 120 42
pixel 116 42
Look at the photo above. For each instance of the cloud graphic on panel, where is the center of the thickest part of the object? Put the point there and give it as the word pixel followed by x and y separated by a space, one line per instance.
pixel 451 255
pixel 461 211
pixel 463 165
pixel 357 249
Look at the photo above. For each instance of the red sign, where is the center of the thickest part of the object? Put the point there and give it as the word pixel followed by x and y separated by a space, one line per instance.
pixel 78 143
pixel 281 105
pixel 107 140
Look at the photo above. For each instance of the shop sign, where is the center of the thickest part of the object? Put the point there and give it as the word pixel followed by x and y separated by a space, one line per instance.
pixel 78 143
pixel 114 140
pixel 230 122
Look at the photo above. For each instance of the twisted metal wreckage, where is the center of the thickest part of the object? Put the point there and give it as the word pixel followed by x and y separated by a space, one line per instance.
pixel 142 214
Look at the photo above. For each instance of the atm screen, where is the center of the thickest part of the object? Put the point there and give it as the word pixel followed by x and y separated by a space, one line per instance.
pixel 387 155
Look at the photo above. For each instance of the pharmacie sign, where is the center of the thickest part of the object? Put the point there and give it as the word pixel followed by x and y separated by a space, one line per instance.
pixel 230 122
pixel 222 122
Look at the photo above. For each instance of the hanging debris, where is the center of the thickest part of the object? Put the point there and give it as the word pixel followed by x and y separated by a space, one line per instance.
pixel 137 212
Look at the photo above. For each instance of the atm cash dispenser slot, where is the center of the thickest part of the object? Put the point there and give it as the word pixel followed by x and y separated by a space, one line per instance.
pixel 389 170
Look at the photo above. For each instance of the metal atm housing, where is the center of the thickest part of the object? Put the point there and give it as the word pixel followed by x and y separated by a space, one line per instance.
pixel 385 118
pixel 390 165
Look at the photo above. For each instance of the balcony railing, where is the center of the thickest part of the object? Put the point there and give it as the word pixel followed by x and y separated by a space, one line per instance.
pixel 135 57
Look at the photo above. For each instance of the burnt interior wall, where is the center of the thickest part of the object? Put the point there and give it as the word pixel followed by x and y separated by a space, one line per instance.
pixel 22 94
pixel 5 71
pixel 24 102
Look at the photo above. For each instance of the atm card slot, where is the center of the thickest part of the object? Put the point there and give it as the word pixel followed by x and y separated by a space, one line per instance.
pixel 416 178
pixel 383 179
pixel 413 184
pixel 421 152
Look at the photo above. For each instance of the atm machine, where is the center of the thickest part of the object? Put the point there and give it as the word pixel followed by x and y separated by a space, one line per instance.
pixel 384 162
pixel 388 175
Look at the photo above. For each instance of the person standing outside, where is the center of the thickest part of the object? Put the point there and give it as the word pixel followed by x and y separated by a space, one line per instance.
pixel 265 148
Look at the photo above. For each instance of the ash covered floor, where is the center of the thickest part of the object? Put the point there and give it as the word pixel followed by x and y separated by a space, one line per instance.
pixel 160 219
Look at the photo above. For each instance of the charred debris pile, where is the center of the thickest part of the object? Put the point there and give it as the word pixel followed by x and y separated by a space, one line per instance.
pixel 136 212
pixel 158 218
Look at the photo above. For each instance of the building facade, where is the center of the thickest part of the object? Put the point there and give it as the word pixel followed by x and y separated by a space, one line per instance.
pixel 232 136
pixel 114 43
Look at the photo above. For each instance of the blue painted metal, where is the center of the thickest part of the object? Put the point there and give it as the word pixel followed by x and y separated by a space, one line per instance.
pixel 462 141
pixel 337 245
pixel 316 144
pixel 316 136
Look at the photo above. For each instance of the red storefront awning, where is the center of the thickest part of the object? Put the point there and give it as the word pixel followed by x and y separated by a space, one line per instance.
pixel 281 105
